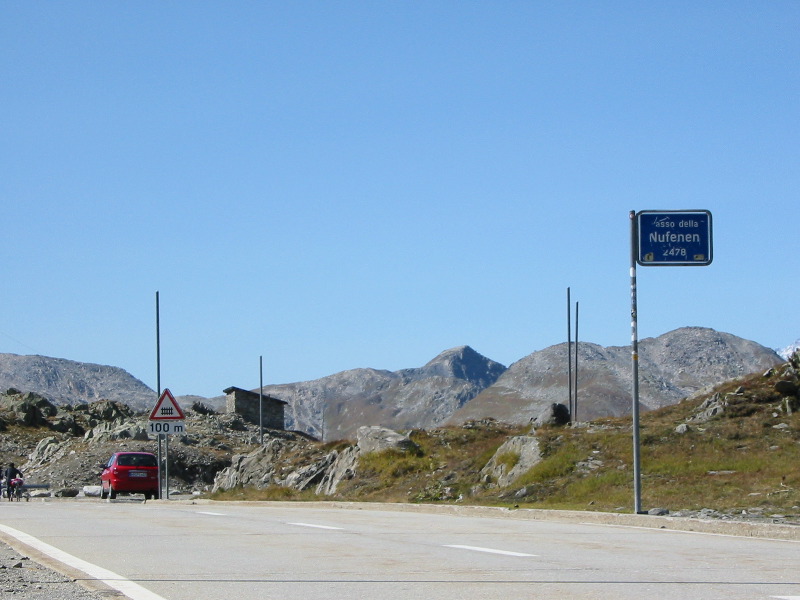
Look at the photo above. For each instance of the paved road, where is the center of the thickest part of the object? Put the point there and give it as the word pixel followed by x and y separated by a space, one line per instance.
pixel 182 551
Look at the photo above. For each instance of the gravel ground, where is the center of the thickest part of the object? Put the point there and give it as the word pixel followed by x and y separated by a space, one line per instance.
pixel 21 577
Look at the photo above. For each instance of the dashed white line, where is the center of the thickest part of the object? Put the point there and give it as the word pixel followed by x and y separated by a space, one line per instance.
pixel 128 588
pixel 489 550
pixel 213 514
pixel 313 526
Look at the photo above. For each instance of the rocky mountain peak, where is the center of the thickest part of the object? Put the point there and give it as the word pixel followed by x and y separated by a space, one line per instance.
pixel 672 366
pixel 462 362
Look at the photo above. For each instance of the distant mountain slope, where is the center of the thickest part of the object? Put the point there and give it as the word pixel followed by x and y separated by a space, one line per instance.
pixel 671 367
pixel 787 351
pixel 459 384
pixel 420 397
pixel 70 382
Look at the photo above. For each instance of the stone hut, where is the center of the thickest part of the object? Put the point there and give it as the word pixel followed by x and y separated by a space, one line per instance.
pixel 245 403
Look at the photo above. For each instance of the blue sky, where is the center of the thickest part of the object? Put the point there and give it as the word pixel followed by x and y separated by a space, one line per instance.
pixel 336 185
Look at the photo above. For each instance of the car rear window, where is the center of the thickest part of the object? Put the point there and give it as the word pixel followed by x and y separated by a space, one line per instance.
pixel 136 460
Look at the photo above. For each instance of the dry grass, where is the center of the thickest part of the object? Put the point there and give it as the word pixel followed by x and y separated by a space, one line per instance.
pixel 737 461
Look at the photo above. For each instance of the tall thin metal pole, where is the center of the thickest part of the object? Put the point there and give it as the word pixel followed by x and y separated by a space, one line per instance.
pixel 158 394
pixel 261 398
pixel 575 402
pixel 166 466
pixel 569 357
pixel 637 464
pixel 158 347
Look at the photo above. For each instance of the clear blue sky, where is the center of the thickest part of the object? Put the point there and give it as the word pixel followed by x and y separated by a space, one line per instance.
pixel 336 185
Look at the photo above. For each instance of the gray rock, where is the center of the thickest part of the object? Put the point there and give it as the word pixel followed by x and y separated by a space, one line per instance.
pixel 48 450
pixel 117 430
pixel 554 414
pixel 92 491
pixel 256 468
pixel 525 452
pixel 29 409
pixel 377 439
pixel 786 388
pixel 309 475
pixel 711 407
pixel 342 468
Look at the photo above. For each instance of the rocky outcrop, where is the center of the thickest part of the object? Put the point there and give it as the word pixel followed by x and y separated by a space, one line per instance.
pixel 259 468
pixel 29 409
pixel 515 457
pixel 342 468
pixel 117 430
pixel 378 439
pixel 272 463
pixel 48 450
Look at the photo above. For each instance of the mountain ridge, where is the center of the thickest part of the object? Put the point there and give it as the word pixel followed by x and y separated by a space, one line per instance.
pixel 65 381
pixel 458 384
pixel 672 366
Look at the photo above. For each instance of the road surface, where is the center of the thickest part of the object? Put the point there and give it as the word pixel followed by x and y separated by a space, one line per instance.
pixel 185 551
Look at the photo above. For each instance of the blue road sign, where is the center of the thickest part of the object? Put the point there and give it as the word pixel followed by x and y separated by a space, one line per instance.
pixel 674 238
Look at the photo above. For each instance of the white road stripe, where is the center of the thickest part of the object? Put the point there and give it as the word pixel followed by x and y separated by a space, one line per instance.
pixel 213 514
pixel 315 526
pixel 786 597
pixel 130 589
pixel 489 550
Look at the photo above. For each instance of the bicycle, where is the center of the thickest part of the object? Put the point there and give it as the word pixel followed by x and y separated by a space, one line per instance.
pixel 15 489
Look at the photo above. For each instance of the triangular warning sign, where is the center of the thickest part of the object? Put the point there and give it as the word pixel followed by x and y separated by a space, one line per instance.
pixel 166 409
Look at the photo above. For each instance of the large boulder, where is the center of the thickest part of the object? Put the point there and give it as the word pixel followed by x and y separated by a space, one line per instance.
pixel 342 468
pixel 104 411
pixel 28 408
pixel 48 450
pixel 372 438
pixel 116 430
pixel 258 468
pixel 516 456
pixel 554 415
pixel 309 475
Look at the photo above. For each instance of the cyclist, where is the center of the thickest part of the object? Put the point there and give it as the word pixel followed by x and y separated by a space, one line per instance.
pixel 12 473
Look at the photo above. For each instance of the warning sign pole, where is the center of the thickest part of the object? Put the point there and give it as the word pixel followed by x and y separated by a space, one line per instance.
pixel 158 387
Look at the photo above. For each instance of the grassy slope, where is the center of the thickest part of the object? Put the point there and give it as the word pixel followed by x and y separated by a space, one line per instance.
pixel 737 461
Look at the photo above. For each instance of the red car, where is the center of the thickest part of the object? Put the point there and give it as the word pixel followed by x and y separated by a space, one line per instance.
pixel 130 473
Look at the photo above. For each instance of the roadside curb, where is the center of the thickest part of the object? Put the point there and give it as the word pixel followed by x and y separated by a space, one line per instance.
pixel 775 531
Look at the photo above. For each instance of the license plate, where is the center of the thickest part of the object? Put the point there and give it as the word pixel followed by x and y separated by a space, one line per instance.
pixel 138 474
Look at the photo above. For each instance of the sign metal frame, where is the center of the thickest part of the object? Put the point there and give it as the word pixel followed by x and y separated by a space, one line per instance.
pixel 173 412
pixel 669 238
pixel 674 238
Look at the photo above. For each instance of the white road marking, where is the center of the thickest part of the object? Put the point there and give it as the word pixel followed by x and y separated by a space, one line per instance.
pixel 128 588
pixel 786 597
pixel 315 526
pixel 488 550
pixel 213 514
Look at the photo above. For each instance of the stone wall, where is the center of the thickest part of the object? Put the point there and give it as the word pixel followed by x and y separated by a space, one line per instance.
pixel 245 403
